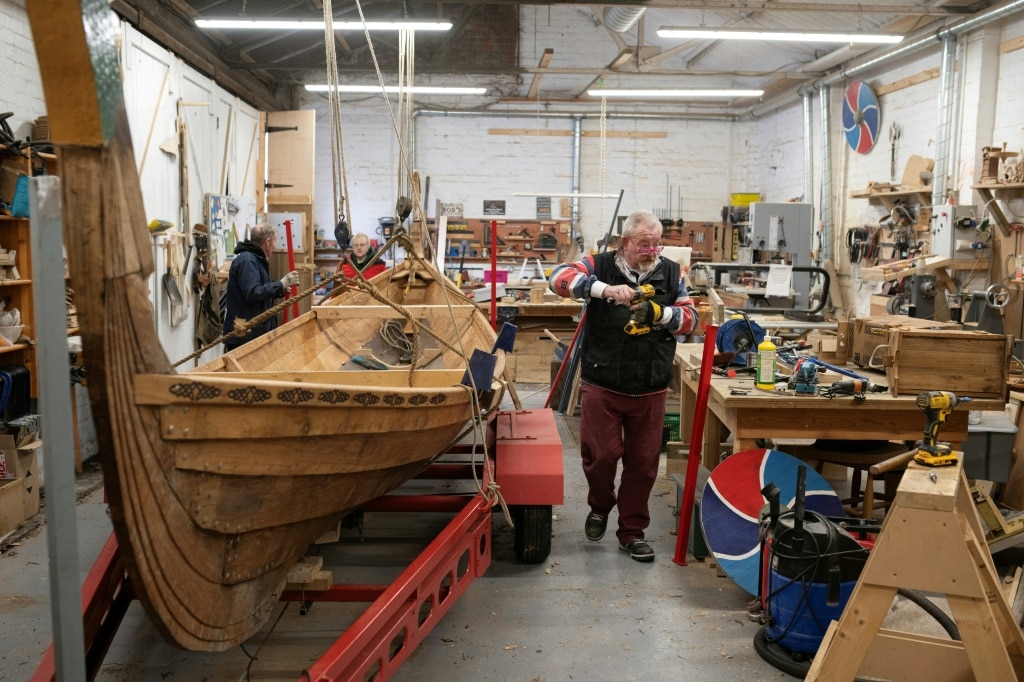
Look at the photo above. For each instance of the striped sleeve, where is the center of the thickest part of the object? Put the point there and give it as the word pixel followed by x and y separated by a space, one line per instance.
pixel 681 318
pixel 573 280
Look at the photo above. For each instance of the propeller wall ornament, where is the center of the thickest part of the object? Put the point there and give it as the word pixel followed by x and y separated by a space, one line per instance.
pixel 861 117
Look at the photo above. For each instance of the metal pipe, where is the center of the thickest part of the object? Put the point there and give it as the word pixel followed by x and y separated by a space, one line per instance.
pixel 944 129
pixel 577 136
pixel 442 113
pixel 825 192
pixel 808 148
pixel 620 19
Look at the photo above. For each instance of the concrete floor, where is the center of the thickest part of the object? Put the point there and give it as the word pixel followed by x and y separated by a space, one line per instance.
pixel 587 613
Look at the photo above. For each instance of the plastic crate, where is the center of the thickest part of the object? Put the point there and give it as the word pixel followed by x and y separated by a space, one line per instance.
pixel 672 424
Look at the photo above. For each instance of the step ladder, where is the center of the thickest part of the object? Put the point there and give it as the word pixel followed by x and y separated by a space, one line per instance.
pixel 532 269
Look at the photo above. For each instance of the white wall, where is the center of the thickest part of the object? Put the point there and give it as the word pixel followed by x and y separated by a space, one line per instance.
pixel 21 89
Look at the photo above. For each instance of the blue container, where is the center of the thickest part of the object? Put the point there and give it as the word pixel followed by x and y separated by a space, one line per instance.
pixel 798 613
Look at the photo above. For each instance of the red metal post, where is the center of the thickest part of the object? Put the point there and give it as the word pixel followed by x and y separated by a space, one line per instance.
pixel 494 275
pixel 292 292
pixel 565 358
pixel 696 443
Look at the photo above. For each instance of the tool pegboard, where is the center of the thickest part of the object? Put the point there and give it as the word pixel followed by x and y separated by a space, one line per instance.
pixel 699 235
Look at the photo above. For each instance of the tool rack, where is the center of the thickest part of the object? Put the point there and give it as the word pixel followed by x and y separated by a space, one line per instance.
pixel 526 455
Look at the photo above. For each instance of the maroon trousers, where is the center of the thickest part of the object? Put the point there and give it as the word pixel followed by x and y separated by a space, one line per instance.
pixel 616 427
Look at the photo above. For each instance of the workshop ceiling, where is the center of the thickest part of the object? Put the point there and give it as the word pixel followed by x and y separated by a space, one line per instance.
pixel 483 48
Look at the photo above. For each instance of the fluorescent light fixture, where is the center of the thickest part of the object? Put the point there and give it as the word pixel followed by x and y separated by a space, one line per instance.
pixel 416 89
pixel 318 25
pixel 572 195
pixel 693 93
pixel 760 34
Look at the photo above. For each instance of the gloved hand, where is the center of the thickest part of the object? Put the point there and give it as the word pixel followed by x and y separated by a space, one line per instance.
pixel 646 314
pixel 290 280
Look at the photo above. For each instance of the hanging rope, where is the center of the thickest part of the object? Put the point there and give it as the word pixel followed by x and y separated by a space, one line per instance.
pixel 339 177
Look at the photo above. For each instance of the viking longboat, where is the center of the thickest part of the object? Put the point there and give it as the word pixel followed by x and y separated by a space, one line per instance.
pixel 219 478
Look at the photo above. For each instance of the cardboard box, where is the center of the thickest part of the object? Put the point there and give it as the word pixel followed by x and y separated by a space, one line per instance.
pixel 968 363
pixel 23 463
pixel 12 504
pixel 28 465
pixel 871 332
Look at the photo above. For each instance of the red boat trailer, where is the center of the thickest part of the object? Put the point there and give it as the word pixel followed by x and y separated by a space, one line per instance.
pixel 526 455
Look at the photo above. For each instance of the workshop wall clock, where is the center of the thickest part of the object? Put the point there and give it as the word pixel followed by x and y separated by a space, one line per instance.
pixel 861 117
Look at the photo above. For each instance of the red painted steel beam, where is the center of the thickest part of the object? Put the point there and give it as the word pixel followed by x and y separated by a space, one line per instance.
pixel 106 595
pixel 413 604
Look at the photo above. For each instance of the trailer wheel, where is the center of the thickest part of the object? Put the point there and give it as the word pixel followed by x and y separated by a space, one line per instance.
pixel 532 533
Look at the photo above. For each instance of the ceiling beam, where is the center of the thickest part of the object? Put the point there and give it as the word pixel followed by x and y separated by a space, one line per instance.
pixel 176 33
pixel 545 59
pixel 916 9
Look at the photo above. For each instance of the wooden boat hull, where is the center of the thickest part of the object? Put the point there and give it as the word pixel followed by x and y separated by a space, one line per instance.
pixel 218 479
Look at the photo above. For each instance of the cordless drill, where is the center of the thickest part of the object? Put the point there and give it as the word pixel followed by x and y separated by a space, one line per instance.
pixel 936 405
pixel 647 311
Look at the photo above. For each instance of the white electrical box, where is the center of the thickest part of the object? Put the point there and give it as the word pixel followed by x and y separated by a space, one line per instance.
pixel 956 234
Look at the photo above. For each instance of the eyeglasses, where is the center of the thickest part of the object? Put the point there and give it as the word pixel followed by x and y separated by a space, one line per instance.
pixel 648 249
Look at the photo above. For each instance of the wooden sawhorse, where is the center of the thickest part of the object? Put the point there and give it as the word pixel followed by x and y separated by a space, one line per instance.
pixel 931 541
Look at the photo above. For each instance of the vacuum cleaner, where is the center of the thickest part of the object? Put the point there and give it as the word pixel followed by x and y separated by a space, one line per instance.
pixel 810 564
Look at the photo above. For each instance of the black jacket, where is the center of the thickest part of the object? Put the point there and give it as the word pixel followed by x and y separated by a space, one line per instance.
pixel 620 362
pixel 250 291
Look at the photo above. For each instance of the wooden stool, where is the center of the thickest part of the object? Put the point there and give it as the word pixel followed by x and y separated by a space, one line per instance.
pixel 886 461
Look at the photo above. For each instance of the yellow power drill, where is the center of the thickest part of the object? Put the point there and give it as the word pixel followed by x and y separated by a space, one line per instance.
pixel 936 405
pixel 647 312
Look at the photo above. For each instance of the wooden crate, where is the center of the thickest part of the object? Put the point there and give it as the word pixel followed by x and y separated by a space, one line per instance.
pixel 871 332
pixel 968 363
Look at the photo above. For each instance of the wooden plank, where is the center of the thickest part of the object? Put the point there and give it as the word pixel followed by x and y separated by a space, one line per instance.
pixel 347 312
pixel 903 268
pixel 305 569
pixel 321 582
pixel 1012 44
pixel 161 389
pixel 545 60
pixel 914 79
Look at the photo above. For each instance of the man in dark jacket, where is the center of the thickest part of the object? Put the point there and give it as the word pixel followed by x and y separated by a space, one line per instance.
pixel 250 288
pixel 628 347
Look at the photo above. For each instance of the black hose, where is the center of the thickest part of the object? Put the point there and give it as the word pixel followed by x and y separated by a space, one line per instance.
pixel 797 663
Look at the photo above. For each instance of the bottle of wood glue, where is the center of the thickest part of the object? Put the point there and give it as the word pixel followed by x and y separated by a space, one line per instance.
pixel 765 365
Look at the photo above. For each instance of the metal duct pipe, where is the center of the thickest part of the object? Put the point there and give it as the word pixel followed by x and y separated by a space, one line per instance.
pixel 577 136
pixel 945 121
pixel 808 148
pixel 620 19
pixel 978 20
pixel 567 115
pixel 825 191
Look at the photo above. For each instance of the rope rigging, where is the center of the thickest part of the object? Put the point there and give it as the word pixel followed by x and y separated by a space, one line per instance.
pixel 339 177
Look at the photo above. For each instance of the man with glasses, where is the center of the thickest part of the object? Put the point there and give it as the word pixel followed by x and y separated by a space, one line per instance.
pixel 250 289
pixel 627 347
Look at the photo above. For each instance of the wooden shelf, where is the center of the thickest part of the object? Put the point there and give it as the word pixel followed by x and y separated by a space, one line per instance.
pixel 890 198
pixel 15 347
pixel 987 191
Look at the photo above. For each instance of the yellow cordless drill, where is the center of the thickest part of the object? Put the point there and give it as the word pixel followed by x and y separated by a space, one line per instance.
pixel 936 405
pixel 647 312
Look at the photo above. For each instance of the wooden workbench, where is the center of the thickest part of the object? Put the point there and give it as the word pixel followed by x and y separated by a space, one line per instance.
pixel 768 414
pixel 530 362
